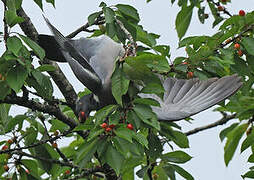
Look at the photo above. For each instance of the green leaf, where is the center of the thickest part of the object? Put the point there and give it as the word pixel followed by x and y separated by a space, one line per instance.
pixel 101 115
pixel 41 83
pixel 232 142
pixel 182 172
pixel 12 18
pixel 141 139
pixel 46 67
pixel 16 77
pixel 30 136
pixel 120 84
pixel 14 121
pixel 124 133
pixel 176 157
pixel 145 37
pixel 249 174
pixel 39 3
pixel 42 151
pixel 92 17
pixel 128 11
pixel 146 114
pixel 248 44
pixel 86 150
pixel 109 15
pixel 14 44
pixel 114 159
pixel 32 166
pixel 51 2
pixel 4 89
pixel 34 46
pixel 225 131
pixel 155 147
pixel 248 141
pixel 183 20
pixel 147 101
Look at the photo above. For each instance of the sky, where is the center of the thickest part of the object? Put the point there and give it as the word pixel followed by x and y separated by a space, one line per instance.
pixel 157 17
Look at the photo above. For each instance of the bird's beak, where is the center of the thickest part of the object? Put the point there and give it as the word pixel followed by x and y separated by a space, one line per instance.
pixel 82 116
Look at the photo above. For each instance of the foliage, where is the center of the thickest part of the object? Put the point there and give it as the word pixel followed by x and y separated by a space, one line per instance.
pixel 123 147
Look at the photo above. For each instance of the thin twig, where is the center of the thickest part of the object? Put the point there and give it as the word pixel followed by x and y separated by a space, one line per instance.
pixel 37 144
pixel 222 121
pixel 250 27
pixel 6 32
pixel 98 21
pixel 132 47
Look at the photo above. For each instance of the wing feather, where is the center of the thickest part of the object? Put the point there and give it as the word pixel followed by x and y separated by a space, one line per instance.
pixel 184 98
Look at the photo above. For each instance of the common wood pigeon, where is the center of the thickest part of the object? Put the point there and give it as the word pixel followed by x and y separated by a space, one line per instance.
pixel 92 61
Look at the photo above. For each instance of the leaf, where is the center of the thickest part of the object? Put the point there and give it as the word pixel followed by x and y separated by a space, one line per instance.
pixel 128 11
pixel 42 151
pixel 32 166
pixel 14 44
pixel 146 114
pixel 14 121
pixel 103 113
pixel 12 18
pixel 124 133
pixel 120 84
pixel 51 2
pixel 141 139
pixel 147 101
pixel 248 44
pixel 249 174
pixel 114 159
pixel 92 17
pixel 183 19
pixel 182 172
pixel 46 67
pixel 109 15
pixel 34 46
pixel 16 77
pixel 41 83
pixel 39 3
pixel 155 147
pixel 4 89
pixel 176 157
pixel 248 141
pixel 85 151
pixel 227 130
pixel 232 142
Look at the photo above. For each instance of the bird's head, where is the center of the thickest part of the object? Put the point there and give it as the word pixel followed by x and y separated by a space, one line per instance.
pixel 85 105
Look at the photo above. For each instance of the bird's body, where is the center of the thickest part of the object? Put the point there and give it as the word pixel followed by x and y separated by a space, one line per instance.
pixel 92 60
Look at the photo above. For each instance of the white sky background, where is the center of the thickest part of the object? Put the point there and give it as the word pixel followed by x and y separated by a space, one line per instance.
pixel 158 17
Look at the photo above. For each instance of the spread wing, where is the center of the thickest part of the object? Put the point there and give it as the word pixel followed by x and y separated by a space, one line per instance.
pixel 184 98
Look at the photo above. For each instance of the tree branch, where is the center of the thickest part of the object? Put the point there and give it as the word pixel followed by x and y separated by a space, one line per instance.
pixel 222 121
pixel 37 144
pixel 98 21
pixel 59 78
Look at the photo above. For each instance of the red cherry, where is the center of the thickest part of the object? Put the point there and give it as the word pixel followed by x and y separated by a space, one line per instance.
pixel 104 125
pixel 54 145
pixel 221 8
pixel 237 46
pixel 27 171
pixel 130 126
pixel 6 168
pixel 82 114
pixel 108 129
pixel 184 63
pixel 240 53
pixel 5 147
pixel 67 171
pixel 190 74
pixel 241 13
pixel 112 126
pixel 10 141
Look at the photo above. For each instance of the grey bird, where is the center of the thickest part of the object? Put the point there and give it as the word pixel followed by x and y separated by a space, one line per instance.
pixel 92 61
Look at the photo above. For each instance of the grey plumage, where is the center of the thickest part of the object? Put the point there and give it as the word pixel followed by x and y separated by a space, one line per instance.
pixel 92 61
